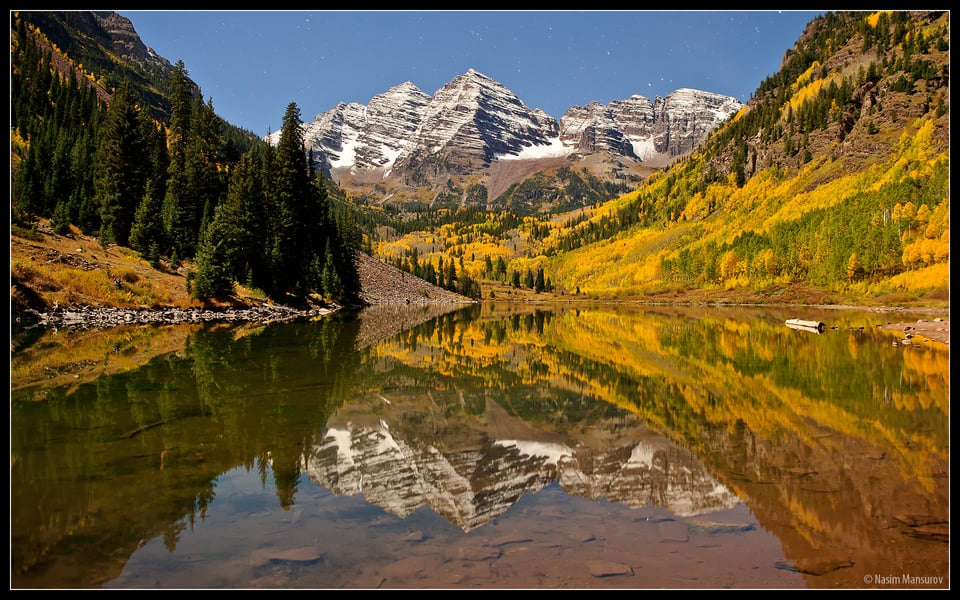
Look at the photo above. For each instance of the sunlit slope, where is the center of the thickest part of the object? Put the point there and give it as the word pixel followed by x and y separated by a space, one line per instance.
pixel 857 233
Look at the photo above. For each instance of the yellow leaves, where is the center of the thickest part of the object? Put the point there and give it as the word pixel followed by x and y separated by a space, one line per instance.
pixel 853 267
pixel 873 18
pixel 768 261
pixel 740 113
pixel 935 276
pixel 18 145
pixel 926 251
pixel 697 208
pixel 807 92
pixel 740 281
pixel 804 78
pixel 728 264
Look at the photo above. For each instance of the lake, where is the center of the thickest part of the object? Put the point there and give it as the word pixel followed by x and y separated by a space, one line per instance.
pixel 483 446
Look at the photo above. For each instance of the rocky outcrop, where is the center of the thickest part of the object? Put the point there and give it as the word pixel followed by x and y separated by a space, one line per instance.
pixel 355 137
pixel 686 117
pixel 125 41
pixel 475 118
pixel 392 119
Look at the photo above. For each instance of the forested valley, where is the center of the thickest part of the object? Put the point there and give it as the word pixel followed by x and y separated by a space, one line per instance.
pixel 835 177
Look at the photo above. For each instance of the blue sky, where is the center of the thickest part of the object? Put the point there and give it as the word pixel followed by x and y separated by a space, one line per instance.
pixel 252 64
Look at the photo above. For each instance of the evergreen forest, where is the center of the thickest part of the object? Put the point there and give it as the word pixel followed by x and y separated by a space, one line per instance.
pixel 179 186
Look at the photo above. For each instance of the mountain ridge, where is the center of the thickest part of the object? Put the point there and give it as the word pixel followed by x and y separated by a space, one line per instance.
pixel 405 139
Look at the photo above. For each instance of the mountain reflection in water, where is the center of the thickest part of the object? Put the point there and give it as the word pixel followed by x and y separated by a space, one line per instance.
pixel 838 443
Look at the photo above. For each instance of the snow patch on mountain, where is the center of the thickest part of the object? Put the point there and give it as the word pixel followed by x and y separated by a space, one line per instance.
pixel 553 148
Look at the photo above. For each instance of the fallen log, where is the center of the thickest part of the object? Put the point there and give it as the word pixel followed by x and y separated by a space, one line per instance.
pixel 802 325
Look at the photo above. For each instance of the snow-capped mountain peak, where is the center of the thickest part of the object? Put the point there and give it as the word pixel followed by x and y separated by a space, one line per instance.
pixel 474 120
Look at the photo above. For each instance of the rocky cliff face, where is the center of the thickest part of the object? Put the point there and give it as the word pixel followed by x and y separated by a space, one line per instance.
pixel 125 41
pixel 686 117
pixel 655 131
pixel 366 138
pixel 473 119
pixel 405 135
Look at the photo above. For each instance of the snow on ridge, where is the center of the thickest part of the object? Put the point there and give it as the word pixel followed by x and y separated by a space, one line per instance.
pixel 644 148
pixel 348 157
pixel 555 148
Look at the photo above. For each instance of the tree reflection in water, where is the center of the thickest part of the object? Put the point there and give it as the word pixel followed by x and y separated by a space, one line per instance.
pixel 837 443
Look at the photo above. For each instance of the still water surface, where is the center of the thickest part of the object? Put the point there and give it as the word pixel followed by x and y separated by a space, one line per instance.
pixel 492 446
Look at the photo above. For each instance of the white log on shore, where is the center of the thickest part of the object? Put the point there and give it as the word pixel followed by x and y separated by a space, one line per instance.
pixel 802 325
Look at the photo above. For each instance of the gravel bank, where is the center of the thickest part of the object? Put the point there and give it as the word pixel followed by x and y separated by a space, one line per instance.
pixel 385 284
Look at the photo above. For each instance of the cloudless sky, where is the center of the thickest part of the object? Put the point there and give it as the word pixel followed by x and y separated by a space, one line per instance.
pixel 252 64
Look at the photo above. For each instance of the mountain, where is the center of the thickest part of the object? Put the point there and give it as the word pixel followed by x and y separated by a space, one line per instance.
pixel 831 185
pixel 405 143
pixel 103 49
pixel 654 132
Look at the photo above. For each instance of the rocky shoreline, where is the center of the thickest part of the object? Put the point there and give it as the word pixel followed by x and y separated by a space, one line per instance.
pixel 86 317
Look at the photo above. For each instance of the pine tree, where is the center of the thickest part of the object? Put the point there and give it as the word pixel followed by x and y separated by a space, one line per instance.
pixel 500 269
pixel 60 219
pixel 528 279
pixel 120 168
pixel 146 234
pixel 202 175
pixel 330 279
pixel 232 246
pixel 295 201
pixel 176 193
pixel 214 262
pixel 27 196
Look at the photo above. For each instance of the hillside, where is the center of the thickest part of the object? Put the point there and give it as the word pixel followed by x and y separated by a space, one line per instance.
pixel 385 284
pixel 809 186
